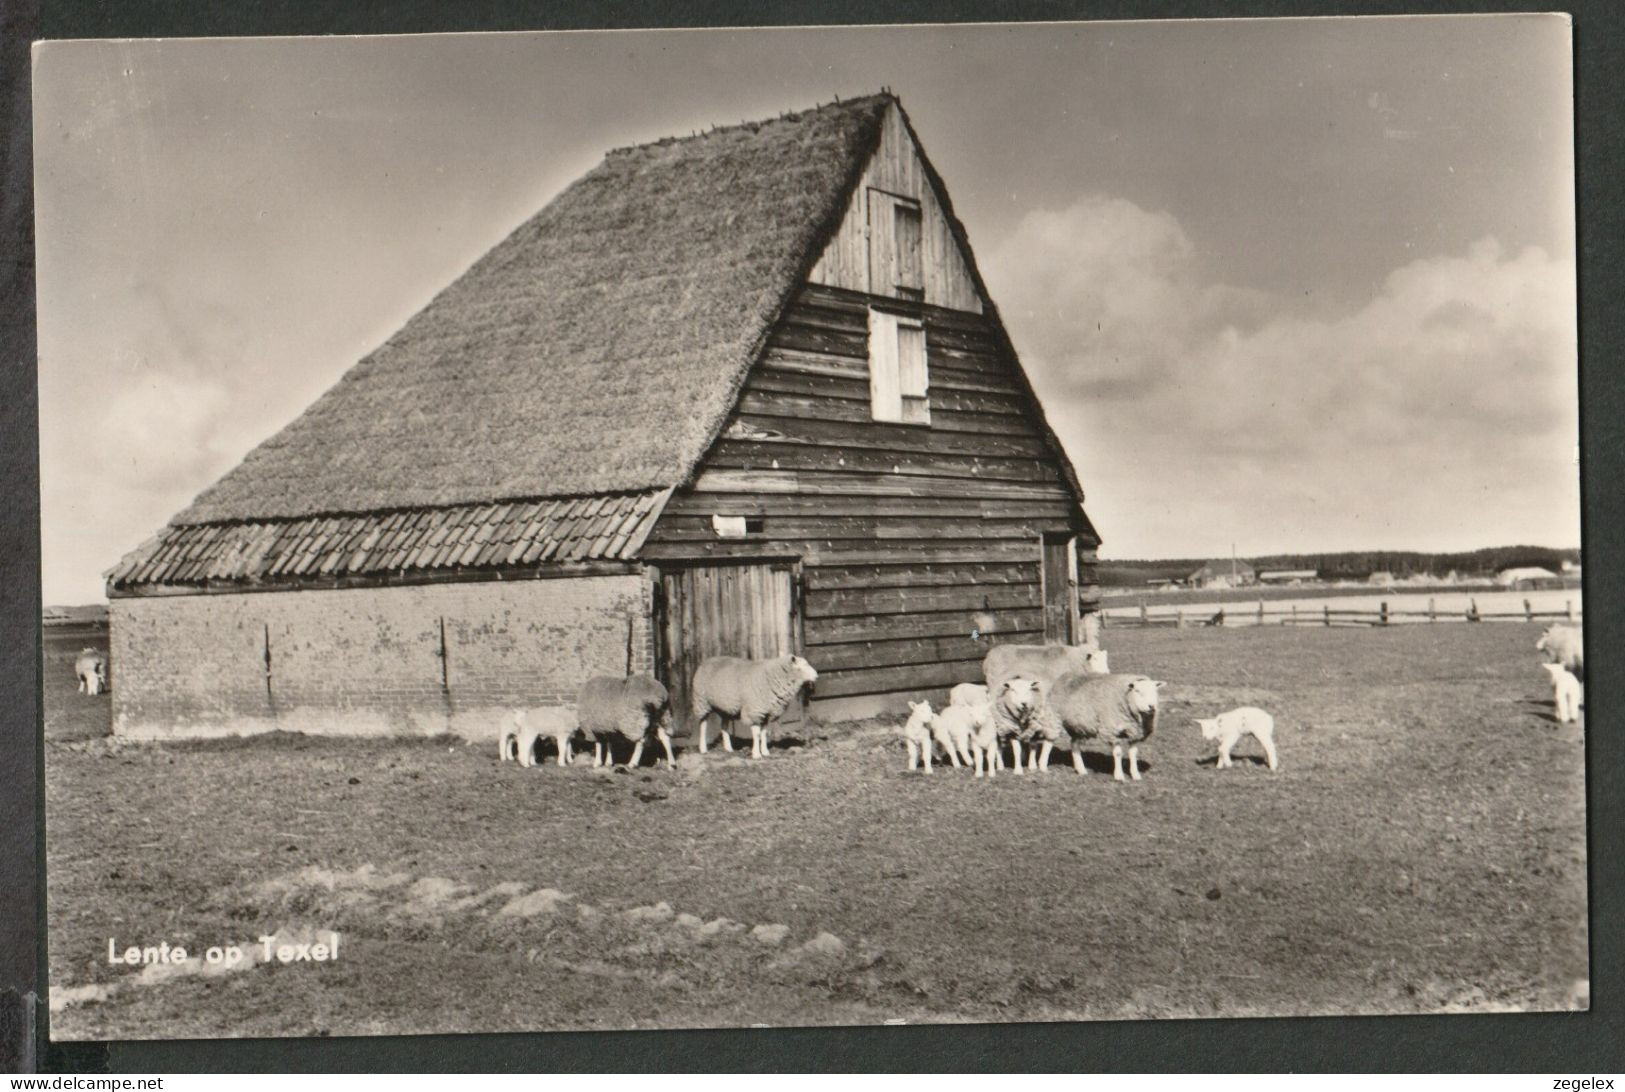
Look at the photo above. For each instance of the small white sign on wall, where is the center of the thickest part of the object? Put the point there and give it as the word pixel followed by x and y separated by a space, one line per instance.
pixel 728 526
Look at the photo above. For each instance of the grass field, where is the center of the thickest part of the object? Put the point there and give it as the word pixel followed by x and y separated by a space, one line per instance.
pixel 1421 850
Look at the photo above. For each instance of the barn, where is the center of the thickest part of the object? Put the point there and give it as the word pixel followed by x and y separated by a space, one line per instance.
pixel 740 392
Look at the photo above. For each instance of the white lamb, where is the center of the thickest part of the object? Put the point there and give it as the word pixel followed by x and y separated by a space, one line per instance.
pixel 917 734
pixel 954 728
pixel 1564 645
pixel 90 667
pixel 1568 693
pixel 1115 709
pixel 517 741
pixel 631 708
pixel 1229 727
pixel 755 691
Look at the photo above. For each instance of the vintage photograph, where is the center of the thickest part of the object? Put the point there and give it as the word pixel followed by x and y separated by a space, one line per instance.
pixel 824 526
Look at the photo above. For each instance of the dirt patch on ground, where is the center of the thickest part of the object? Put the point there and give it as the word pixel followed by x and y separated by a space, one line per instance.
pixel 1421 850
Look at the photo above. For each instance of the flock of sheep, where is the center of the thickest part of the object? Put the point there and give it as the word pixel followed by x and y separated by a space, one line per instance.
pixel 1565 652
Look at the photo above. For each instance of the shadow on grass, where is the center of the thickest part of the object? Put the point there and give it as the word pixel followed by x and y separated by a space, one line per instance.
pixel 1212 761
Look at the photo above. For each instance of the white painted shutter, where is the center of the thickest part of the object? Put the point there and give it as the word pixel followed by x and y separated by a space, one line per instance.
pixel 911 373
pixel 885 390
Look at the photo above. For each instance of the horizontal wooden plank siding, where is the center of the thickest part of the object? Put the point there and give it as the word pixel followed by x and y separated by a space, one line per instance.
pixel 920 545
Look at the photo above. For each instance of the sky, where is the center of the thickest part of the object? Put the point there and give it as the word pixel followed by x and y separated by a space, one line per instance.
pixel 1284 285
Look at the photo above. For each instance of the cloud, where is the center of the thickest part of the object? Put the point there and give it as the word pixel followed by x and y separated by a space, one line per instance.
pixel 1440 412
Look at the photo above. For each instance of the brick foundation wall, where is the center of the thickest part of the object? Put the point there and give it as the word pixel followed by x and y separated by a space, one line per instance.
pixel 367 660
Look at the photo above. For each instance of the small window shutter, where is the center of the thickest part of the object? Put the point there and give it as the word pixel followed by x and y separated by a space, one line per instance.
pixel 911 372
pixel 885 391
pixel 909 261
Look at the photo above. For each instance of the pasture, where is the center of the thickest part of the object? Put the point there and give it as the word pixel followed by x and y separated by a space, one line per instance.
pixel 1421 850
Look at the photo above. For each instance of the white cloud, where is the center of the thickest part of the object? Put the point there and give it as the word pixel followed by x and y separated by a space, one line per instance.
pixel 1440 413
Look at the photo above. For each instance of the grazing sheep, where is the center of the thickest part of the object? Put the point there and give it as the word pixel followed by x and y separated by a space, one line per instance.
pixel 631 708
pixel 90 667
pixel 517 740
pixel 1017 704
pixel 917 734
pixel 1568 693
pixel 968 693
pixel 1117 709
pixel 954 727
pixel 1564 645
pixel 1229 727
pixel 755 691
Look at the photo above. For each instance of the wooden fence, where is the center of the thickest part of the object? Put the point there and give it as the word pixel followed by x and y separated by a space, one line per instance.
pixel 1196 615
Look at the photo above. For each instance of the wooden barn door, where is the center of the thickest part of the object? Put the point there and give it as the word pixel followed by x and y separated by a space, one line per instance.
pixel 1060 576
pixel 725 610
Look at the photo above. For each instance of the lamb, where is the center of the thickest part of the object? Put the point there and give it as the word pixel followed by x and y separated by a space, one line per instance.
pixel 955 727
pixel 917 734
pixel 631 708
pixel 90 667
pixel 1564 645
pixel 1046 663
pixel 1568 693
pixel 1229 727
pixel 755 691
pixel 1119 709
pixel 517 740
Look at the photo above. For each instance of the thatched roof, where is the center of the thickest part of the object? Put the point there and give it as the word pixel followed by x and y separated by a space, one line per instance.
pixel 598 348
pixel 406 543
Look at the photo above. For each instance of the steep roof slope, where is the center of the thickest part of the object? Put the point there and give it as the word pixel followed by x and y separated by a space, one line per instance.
pixel 595 349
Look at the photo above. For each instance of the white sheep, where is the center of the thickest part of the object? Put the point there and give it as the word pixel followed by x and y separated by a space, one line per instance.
pixel 1016 705
pixel 917 734
pixel 90 667
pixel 1021 715
pixel 517 740
pixel 968 693
pixel 1115 709
pixel 755 691
pixel 1564 645
pixel 632 708
pixel 954 727
pixel 1046 663
pixel 1229 727
pixel 1568 693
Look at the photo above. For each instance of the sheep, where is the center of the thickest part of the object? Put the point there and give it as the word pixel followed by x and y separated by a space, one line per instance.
pixel 1046 663
pixel 630 708
pixel 954 728
pixel 968 693
pixel 1020 714
pixel 1016 705
pixel 517 740
pixel 755 691
pixel 90 667
pixel 1564 645
pixel 1229 727
pixel 1120 709
pixel 1568 693
pixel 917 734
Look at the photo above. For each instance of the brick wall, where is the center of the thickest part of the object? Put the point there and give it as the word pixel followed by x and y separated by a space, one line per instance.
pixel 368 660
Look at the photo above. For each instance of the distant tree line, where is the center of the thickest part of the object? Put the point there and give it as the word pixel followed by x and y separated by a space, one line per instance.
pixel 1353 564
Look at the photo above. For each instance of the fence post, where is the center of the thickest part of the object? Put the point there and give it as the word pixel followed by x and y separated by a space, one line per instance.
pixel 1294 614
pixel 1179 619
pixel 1260 612
pixel 1472 609
pixel 1383 614
pixel 1528 612
pixel 1433 615
pixel 1145 616
pixel 1568 608
pixel 1328 609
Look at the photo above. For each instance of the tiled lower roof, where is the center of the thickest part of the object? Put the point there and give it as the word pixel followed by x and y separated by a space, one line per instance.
pixel 519 534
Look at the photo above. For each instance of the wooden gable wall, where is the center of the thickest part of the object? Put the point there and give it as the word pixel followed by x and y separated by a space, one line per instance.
pixel 906 533
pixel 850 261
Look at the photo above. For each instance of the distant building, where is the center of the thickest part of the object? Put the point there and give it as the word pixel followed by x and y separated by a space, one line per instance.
pixel 1228 573
pixel 1287 576
pixel 1381 579
pixel 1525 576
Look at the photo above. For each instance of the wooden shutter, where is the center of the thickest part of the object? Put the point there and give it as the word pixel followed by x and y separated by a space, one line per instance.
pixel 885 391
pixel 912 380
pixel 908 261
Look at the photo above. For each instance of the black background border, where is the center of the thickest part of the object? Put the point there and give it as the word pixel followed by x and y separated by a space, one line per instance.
pixel 1568 1043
